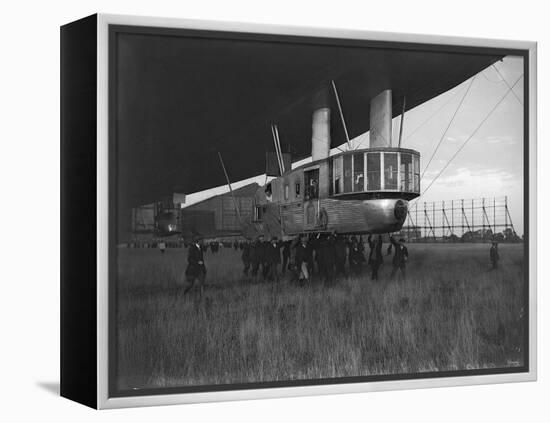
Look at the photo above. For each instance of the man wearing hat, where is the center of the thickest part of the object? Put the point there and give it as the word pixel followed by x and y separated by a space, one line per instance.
pixel 162 246
pixel 272 259
pixel 356 257
pixel 245 256
pixel 196 270
pixel 256 255
pixel 493 254
pixel 375 257
pixel 400 256
pixel 286 256
pixel 340 254
pixel 325 258
pixel 304 259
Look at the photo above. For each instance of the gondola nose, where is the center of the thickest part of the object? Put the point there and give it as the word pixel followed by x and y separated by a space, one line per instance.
pixel 385 215
pixel 400 210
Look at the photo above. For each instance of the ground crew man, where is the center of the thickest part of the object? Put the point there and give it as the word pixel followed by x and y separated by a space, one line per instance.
pixel 400 256
pixel 493 254
pixel 356 257
pixel 264 254
pixel 196 270
pixel 319 249
pixel 214 246
pixel 272 259
pixel 375 256
pixel 340 255
pixel 325 258
pixel 304 260
pixel 361 245
pixel 256 255
pixel 162 246
pixel 286 257
pixel 245 257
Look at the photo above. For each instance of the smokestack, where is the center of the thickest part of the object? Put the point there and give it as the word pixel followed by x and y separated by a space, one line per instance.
pixel 380 120
pixel 320 126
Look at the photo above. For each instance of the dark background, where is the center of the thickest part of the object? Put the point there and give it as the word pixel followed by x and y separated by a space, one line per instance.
pixel 180 96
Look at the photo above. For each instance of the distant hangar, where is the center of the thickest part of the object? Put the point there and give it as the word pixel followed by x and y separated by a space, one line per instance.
pixel 212 218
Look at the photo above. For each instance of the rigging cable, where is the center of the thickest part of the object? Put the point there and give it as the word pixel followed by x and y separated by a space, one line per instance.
pixel 432 115
pixel 230 188
pixel 470 137
pixel 337 97
pixel 508 85
pixel 490 80
pixel 279 151
pixel 401 122
pixel 265 182
pixel 448 126
pixel 276 150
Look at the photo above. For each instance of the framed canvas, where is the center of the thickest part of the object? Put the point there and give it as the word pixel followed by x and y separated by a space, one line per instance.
pixel 253 211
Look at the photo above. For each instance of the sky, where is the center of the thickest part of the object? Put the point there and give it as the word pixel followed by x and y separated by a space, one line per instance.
pixel 490 160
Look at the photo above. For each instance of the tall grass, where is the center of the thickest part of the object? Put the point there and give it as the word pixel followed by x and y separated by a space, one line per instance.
pixel 451 313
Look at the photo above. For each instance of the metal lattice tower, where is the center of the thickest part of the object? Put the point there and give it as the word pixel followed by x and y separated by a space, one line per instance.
pixel 467 220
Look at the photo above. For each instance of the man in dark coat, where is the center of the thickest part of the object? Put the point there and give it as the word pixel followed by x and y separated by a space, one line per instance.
pixel 162 246
pixel 375 256
pixel 493 254
pixel 340 255
pixel 272 259
pixel 286 257
pixel 331 258
pixel 264 255
pixel 256 255
pixel 214 246
pixel 356 257
pixel 196 270
pixel 304 260
pixel 245 257
pixel 325 258
pixel 318 245
pixel 313 243
pixel 400 256
pixel 360 244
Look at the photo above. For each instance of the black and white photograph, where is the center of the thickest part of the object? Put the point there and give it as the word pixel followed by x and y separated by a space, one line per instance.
pixel 294 210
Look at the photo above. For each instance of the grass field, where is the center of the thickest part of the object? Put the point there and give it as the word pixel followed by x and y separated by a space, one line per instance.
pixel 452 313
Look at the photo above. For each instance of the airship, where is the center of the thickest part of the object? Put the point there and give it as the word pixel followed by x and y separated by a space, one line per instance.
pixel 356 191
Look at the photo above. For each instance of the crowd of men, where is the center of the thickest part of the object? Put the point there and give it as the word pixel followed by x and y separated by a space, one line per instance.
pixel 328 256
pixel 324 255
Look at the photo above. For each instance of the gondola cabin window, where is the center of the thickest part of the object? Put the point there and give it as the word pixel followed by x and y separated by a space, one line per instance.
pixel 348 173
pixel 407 172
pixel 337 174
pixel 268 193
pixel 358 172
pixel 416 164
pixel 390 171
pixel 311 184
pixel 373 171
pixel 381 170
pixel 258 213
